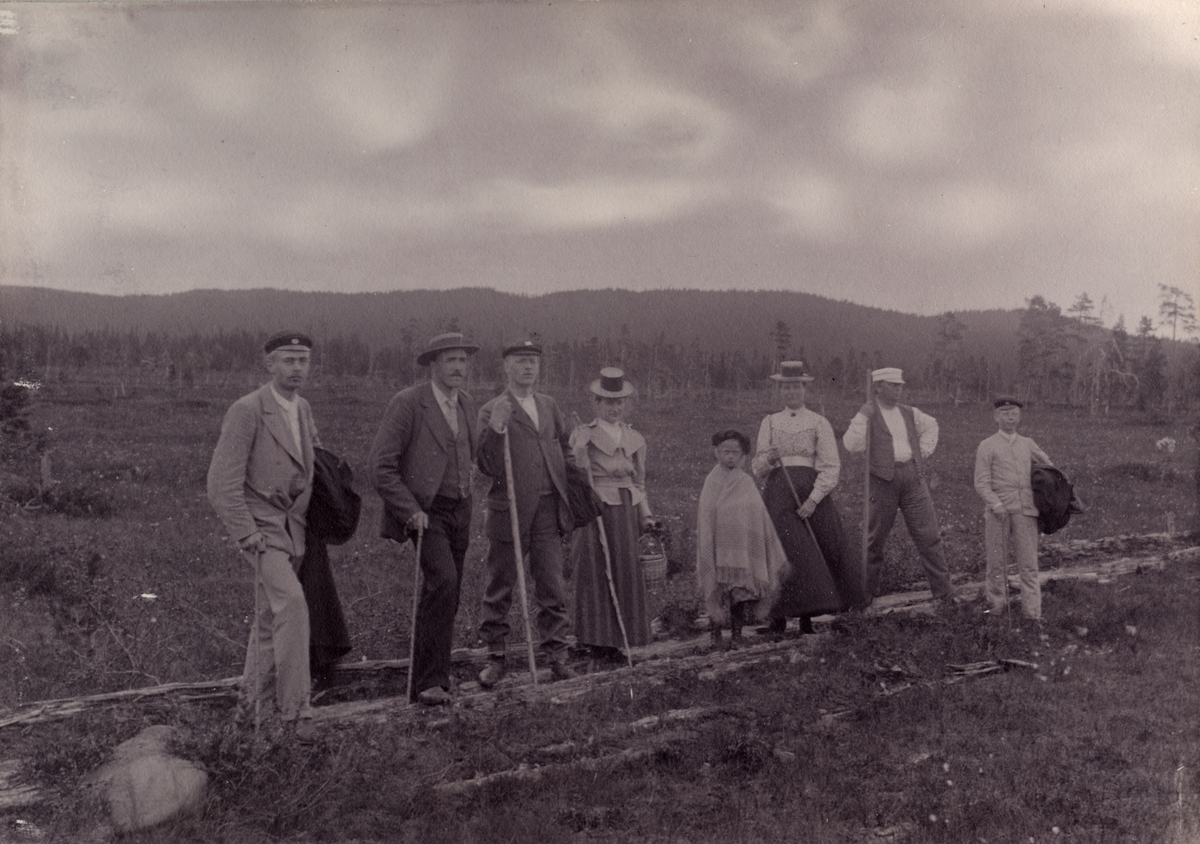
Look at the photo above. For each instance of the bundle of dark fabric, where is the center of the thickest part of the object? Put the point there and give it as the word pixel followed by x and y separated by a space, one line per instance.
pixel 585 503
pixel 1054 497
pixel 332 519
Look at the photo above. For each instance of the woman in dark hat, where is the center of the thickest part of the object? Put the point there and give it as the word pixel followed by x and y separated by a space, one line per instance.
pixel 798 455
pixel 614 456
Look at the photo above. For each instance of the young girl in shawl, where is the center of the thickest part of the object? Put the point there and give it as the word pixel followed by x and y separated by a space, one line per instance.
pixel 739 560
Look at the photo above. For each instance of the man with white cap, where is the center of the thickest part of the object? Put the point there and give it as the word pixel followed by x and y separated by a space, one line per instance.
pixel 902 438
pixel 260 482
pixel 421 464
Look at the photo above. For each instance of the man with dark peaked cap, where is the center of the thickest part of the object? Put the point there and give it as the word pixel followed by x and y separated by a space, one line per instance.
pixel 540 443
pixel 260 482
pixel 421 465
pixel 1003 468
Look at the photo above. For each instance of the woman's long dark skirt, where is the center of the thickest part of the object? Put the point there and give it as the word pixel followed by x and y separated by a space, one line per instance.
pixel 822 579
pixel 595 617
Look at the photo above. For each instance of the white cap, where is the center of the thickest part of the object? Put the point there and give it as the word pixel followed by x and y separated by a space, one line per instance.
pixel 889 373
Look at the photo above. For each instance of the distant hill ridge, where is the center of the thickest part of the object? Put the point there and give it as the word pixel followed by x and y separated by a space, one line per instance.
pixel 709 321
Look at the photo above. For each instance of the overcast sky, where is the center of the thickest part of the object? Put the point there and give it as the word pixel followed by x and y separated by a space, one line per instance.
pixel 919 156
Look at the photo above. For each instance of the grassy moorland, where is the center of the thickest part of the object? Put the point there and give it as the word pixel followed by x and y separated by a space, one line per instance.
pixel 122 578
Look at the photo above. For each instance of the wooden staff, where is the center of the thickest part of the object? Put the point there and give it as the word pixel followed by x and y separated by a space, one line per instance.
pixel 254 639
pixel 866 519
pixel 612 587
pixel 796 496
pixel 518 557
pixel 799 504
pixel 412 637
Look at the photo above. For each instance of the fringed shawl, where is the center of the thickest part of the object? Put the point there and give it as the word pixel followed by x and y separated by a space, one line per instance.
pixel 737 549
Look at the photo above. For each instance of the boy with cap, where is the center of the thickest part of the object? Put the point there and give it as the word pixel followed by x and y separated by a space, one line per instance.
pixel 260 482
pixel 1003 466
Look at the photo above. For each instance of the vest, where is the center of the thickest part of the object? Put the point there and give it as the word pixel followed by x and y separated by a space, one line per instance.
pixel 883 456
pixel 456 482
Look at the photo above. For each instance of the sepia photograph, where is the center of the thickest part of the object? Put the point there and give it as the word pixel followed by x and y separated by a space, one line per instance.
pixel 600 420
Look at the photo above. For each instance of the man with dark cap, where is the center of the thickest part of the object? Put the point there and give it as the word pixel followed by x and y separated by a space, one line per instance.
pixel 902 439
pixel 421 465
pixel 260 482
pixel 1003 467
pixel 540 444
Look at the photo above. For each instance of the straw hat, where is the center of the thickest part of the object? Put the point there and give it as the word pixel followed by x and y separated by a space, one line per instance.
pixel 611 384
pixel 792 370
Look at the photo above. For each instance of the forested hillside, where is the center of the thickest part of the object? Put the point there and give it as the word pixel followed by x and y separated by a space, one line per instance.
pixel 665 339
pixel 678 337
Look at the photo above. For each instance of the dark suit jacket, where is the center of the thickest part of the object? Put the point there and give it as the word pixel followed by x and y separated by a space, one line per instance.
pixel 551 438
pixel 410 454
pixel 260 479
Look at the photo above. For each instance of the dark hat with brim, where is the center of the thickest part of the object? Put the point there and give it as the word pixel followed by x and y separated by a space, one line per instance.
pixel 611 384
pixel 792 370
pixel 444 343
pixel 295 340
pixel 522 347
pixel 732 434
pixel 1006 401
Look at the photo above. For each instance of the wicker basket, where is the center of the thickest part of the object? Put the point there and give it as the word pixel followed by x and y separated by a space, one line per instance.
pixel 653 559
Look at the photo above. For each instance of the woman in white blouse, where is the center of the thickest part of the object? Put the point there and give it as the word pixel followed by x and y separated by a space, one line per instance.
pixel 798 455
pixel 614 456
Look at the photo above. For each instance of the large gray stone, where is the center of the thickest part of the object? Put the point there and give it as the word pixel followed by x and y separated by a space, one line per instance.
pixel 144 785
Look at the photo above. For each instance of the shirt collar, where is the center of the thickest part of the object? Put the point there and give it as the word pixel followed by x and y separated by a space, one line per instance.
pixel 442 396
pixel 287 404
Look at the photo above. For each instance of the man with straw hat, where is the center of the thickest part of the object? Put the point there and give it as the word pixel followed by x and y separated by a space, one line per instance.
pixel 525 429
pixel 421 465
pixel 260 482
pixel 902 438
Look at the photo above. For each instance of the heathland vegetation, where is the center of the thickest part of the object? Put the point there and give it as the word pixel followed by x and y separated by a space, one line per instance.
pixel 114 574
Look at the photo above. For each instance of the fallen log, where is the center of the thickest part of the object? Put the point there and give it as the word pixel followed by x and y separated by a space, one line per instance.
pixel 17 795
pixel 653 660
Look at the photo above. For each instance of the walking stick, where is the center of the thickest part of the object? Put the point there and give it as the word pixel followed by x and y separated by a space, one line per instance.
pixel 866 518
pixel 518 557
pixel 412 638
pixel 254 644
pixel 612 587
pixel 799 504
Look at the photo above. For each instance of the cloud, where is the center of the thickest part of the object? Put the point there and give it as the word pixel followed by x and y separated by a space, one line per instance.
pixel 590 203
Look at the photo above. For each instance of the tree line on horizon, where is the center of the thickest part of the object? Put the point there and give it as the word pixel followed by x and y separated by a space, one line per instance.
pixel 665 340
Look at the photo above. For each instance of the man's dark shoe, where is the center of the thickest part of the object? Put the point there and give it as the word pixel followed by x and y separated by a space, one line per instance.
pixel 305 731
pixel 434 696
pixel 492 672
pixel 561 671
pixel 806 625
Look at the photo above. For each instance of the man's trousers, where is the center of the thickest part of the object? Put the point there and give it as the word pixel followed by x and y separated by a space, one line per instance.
pixel 906 492
pixel 443 549
pixel 545 565
pixel 277 671
pixel 1022 532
